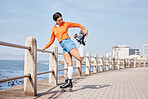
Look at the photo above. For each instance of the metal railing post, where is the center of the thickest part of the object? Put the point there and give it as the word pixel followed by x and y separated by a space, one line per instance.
pixel 30 66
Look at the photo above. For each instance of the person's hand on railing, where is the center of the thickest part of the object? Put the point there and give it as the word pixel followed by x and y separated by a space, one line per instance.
pixel 43 49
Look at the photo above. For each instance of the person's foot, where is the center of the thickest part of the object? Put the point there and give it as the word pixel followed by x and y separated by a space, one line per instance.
pixel 80 38
pixel 67 84
pixel 66 80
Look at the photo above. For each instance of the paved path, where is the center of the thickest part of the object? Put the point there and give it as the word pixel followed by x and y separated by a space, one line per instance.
pixel 119 84
pixel 129 83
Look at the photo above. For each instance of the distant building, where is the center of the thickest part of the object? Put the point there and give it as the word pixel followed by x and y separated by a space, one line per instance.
pixel 134 52
pixel 109 54
pixel 123 51
pixel 120 51
pixel 145 51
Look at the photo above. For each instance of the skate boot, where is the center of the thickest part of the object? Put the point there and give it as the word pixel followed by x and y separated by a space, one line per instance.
pixel 68 84
pixel 80 38
pixel 66 80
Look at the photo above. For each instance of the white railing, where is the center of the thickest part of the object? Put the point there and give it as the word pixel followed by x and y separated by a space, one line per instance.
pixel 30 65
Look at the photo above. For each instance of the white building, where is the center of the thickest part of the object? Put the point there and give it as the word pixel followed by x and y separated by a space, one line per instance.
pixel 123 51
pixel 120 51
pixel 145 51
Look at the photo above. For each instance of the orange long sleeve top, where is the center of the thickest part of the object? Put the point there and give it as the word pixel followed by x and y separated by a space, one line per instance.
pixel 61 32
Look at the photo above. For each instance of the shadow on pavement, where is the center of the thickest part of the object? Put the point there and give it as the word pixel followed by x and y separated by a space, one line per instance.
pixel 91 87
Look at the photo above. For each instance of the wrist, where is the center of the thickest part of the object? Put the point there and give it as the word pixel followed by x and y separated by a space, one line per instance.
pixel 85 30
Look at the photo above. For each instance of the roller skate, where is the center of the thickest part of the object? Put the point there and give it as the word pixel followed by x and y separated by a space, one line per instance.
pixel 68 84
pixel 66 80
pixel 81 37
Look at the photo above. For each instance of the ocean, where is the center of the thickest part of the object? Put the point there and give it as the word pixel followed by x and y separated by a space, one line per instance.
pixel 11 68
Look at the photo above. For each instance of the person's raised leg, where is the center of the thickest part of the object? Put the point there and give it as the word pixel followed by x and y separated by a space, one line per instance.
pixel 81 50
pixel 75 53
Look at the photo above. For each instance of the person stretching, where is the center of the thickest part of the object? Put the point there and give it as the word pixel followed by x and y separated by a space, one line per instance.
pixel 60 31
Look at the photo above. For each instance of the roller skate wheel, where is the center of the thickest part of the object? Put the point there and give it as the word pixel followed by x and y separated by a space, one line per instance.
pixel 62 90
pixel 70 90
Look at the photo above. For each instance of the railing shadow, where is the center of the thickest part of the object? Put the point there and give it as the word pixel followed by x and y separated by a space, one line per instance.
pixel 55 91
pixel 50 91
pixel 91 87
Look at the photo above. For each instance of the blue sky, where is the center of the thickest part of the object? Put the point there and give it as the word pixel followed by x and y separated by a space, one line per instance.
pixel 109 22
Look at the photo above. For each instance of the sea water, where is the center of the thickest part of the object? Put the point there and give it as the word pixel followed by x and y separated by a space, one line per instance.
pixel 12 68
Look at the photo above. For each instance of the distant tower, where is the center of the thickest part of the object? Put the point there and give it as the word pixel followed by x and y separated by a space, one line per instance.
pixel 145 51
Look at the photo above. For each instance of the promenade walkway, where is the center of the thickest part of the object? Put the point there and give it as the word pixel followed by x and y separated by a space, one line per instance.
pixel 130 83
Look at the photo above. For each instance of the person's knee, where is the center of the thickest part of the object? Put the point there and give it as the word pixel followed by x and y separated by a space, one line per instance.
pixel 80 58
pixel 69 63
